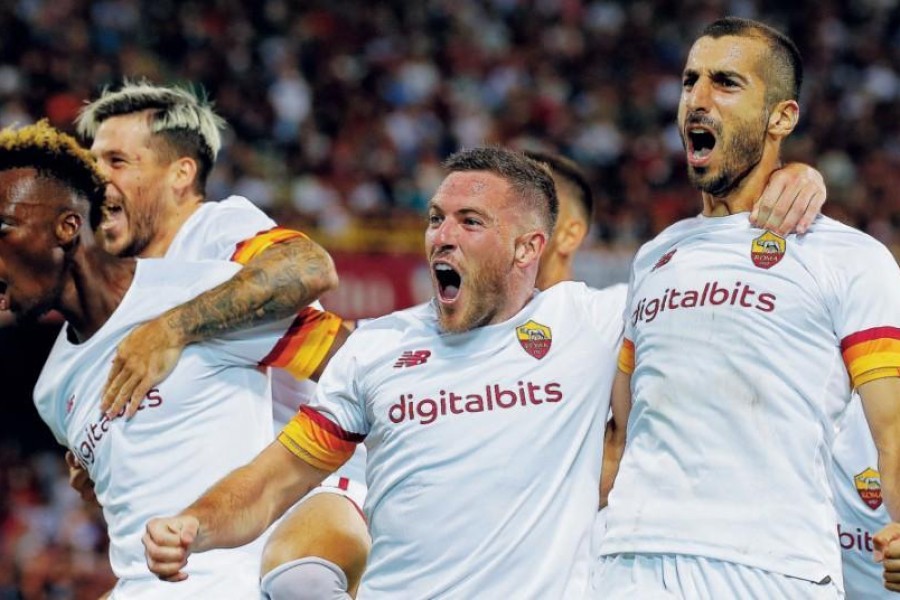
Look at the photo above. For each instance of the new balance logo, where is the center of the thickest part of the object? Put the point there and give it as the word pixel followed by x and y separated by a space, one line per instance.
pixel 664 259
pixel 412 358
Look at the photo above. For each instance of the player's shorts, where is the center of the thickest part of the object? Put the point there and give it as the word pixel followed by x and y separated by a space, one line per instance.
pixel 335 483
pixel 678 576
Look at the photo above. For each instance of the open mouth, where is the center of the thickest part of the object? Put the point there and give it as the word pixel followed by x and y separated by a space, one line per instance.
pixel 701 142
pixel 4 299
pixel 113 216
pixel 448 280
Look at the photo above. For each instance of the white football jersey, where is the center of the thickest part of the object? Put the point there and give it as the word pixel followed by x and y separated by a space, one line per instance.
pixel 235 229
pixel 857 498
pixel 484 447
pixel 741 343
pixel 211 415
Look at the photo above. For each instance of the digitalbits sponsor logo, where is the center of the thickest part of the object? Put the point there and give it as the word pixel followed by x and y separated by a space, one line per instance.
pixel 868 486
pixel 767 250
pixel 425 410
pixel 713 293
pixel 86 446
pixel 535 338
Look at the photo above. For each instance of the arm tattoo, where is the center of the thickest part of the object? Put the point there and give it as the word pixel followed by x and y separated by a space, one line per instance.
pixel 275 284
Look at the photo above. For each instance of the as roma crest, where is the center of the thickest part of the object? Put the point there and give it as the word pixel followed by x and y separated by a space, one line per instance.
pixel 535 338
pixel 868 486
pixel 767 250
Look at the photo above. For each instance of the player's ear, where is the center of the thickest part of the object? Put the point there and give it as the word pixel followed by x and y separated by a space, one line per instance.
pixel 529 247
pixel 569 236
pixel 184 173
pixel 783 118
pixel 68 228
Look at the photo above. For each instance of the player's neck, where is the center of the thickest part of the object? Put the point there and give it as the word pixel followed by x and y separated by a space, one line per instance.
pixel 552 272
pixel 169 226
pixel 745 194
pixel 96 284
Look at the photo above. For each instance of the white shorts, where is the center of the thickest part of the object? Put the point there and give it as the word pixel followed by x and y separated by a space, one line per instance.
pixel 677 576
pixel 353 491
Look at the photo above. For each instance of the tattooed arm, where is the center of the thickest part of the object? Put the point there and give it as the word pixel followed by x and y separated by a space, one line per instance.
pixel 274 284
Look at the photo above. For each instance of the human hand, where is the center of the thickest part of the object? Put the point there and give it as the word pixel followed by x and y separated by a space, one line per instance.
pixel 793 198
pixel 887 552
pixel 79 479
pixel 143 359
pixel 167 545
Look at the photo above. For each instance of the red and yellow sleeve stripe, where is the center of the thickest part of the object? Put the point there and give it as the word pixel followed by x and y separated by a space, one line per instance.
pixel 302 349
pixel 626 356
pixel 246 250
pixel 872 354
pixel 317 440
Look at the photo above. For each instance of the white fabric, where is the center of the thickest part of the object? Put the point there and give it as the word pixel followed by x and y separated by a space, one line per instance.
pixel 214 232
pixel 484 460
pixel 679 577
pixel 211 415
pixel 855 457
pixel 735 398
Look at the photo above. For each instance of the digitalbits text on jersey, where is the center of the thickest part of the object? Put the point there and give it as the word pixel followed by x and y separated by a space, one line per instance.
pixel 492 397
pixel 713 293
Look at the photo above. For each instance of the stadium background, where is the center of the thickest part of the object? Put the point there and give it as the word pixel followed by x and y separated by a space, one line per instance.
pixel 341 112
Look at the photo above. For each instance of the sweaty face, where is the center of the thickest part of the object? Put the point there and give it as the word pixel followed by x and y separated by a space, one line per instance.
pixel 470 245
pixel 722 114
pixel 135 195
pixel 31 261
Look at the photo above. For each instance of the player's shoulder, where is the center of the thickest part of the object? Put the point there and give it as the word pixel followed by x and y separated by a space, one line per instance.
pixel 592 307
pixel 842 244
pixel 187 275
pixel 414 319
pixel 667 240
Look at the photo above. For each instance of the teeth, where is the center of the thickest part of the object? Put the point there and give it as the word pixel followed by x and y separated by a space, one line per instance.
pixel 442 267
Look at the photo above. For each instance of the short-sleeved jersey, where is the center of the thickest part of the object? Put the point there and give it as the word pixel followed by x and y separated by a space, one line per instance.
pixel 860 510
pixel 484 447
pixel 743 347
pixel 235 229
pixel 211 415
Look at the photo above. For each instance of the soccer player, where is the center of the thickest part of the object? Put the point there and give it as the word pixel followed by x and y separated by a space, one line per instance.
pixel 860 505
pixel 210 415
pixel 740 348
pixel 790 201
pixel 156 146
pixel 482 423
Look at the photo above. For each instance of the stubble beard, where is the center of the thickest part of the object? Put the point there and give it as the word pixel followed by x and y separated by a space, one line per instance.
pixel 742 153
pixel 487 289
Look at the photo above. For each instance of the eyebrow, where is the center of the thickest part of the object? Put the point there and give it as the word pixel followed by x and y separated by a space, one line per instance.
pixel 717 74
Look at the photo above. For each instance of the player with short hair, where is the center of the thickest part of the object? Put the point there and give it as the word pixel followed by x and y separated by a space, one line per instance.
pixel 445 395
pixel 210 415
pixel 157 144
pixel 740 348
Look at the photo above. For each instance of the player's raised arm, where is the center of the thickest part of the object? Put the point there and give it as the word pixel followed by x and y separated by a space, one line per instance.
pixel 793 198
pixel 235 511
pixel 275 283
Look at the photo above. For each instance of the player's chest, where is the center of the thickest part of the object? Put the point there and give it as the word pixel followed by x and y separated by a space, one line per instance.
pixel 744 281
pixel 539 368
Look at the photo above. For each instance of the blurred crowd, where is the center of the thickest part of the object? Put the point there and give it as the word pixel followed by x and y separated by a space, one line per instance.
pixel 341 111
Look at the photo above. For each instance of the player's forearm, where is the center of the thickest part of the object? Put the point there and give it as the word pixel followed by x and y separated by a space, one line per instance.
pixel 277 283
pixel 241 506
